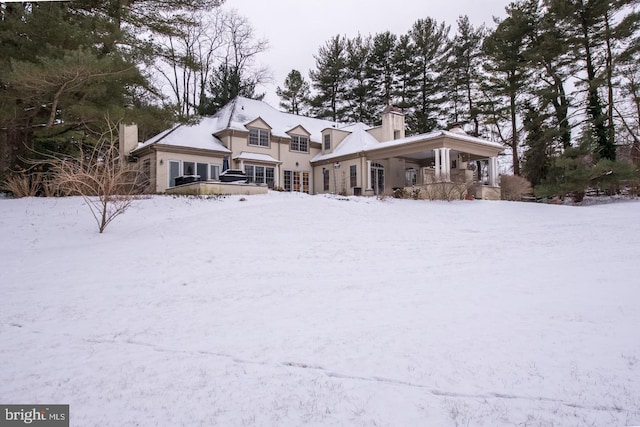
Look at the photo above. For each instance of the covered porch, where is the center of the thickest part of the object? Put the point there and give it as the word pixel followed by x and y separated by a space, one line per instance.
pixel 442 163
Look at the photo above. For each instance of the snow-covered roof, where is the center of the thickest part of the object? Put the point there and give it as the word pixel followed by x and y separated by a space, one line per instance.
pixel 245 155
pixel 358 141
pixel 361 141
pixel 199 136
pixel 242 111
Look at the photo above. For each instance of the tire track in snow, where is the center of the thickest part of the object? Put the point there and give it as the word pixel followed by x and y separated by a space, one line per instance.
pixel 374 379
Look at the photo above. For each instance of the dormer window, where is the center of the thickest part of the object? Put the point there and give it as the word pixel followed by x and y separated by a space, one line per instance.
pixel 327 142
pixel 259 137
pixel 299 143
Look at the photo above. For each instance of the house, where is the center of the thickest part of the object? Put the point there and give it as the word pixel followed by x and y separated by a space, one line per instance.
pixel 296 153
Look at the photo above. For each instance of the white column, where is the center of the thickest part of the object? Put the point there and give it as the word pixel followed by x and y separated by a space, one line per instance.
pixel 369 175
pixel 492 164
pixel 241 164
pixel 276 178
pixel 447 164
pixel 436 152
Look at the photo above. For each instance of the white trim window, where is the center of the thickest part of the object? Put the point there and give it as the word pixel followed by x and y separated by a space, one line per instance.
pixel 353 176
pixel 259 137
pixel 299 143
pixel 260 174
pixel 327 142
pixel 205 171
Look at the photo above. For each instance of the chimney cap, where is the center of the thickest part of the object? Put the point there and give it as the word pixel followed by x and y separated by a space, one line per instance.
pixel 457 128
pixel 391 108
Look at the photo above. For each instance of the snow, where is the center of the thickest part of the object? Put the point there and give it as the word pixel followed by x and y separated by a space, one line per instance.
pixel 242 111
pixel 245 155
pixel 287 309
pixel 199 135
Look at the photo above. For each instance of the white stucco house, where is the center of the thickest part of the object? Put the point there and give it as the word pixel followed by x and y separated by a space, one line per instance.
pixel 297 153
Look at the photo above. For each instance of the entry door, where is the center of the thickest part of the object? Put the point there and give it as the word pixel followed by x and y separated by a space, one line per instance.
pixel 377 178
pixel 296 181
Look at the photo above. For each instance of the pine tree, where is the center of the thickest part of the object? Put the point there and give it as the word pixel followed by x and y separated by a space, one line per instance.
pixel 463 74
pixel 329 79
pixel 429 40
pixel 358 93
pixel 295 94
pixel 382 70
pixel 585 24
pixel 406 73
pixel 508 71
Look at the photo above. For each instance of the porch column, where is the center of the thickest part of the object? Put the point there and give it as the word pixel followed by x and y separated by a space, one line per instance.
pixel 241 164
pixel 447 164
pixel 369 175
pixel 276 178
pixel 436 152
pixel 493 171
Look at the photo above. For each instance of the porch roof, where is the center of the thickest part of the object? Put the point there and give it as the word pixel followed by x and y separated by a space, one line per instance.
pixel 258 157
pixel 415 147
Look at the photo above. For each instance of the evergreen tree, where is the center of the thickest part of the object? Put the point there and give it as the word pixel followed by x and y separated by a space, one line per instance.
pixel 295 94
pixel 382 70
pixel 358 92
pixel 539 144
pixel 329 79
pixel 429 40
pixel 67 65
pixel 406 73
pixel 464 74
pixel 508 71
pixel 549 57
pixel 585 24
pixel 226 84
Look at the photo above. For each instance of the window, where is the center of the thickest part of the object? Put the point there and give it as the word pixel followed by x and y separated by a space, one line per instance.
pixel 299 143
pixel 260 174
pixel 270 177
pixel 325 179
pixel 205 171
pixel 202 170
pixel 411 177
pixel 396 134
pixel 327 142
pixel 174 172
pixel 188 168
pixel 259 137
pixel 214 171
pixel 353 175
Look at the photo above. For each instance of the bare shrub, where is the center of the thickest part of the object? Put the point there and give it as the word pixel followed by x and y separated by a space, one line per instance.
pixel 514 187
pixel 446 191
pixel 106 182
pixel 22 185
pixel 400 193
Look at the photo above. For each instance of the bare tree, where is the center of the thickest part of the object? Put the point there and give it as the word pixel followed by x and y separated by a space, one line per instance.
pixel 105 181
pixel 197 49
pixel 187 57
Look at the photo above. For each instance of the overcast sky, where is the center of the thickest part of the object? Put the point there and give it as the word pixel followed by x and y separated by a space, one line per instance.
pixel 296 29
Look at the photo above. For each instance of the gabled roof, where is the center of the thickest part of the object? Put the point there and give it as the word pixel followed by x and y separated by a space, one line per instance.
pixel 242 111
pixel 198 136
pixel 236 115
pixel 357 141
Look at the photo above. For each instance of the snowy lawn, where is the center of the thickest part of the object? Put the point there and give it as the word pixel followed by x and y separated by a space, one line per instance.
pixel 287 309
